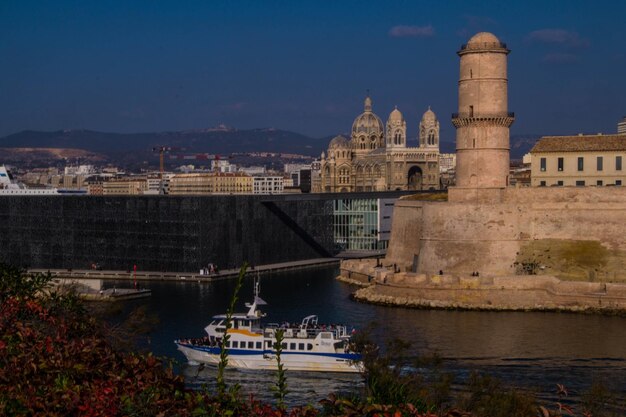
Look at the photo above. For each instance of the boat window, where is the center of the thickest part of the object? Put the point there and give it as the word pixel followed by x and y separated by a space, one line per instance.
pixel 250 345
pixel 309 346
pixel 235 343
pixel 284 345
pixel 301 346
pixel 268 344
pixel 292 346
pixel 259 345
pixel 228 344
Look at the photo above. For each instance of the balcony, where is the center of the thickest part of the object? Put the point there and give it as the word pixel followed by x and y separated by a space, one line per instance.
pixel 482 119
pixel 479 115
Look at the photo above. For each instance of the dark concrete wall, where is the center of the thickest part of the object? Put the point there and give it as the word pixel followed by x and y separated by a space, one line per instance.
pixel 158 233
pixel 166 233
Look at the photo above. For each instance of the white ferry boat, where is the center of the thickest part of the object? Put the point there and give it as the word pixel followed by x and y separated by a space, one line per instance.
pixel 306 346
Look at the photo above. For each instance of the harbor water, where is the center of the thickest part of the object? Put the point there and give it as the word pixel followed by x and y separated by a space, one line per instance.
pixel 533 350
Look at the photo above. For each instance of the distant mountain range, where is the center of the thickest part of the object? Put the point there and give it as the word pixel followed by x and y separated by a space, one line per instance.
pixel 221 140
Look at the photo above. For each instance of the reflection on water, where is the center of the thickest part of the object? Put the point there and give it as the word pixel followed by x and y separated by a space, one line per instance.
pixel 531 349
pixel 303 387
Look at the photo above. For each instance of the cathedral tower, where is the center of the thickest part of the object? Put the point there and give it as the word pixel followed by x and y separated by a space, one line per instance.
pixel 396 130
pixel 429 130
pixel 482 123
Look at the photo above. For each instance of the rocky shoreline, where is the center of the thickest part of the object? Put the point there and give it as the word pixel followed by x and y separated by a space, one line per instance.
pixel 514 293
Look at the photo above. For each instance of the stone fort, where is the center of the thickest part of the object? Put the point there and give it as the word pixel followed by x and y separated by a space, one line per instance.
pixel 491 228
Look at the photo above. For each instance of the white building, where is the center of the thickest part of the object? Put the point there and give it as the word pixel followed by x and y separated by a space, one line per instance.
pixel 267 185
pixel 80 170
pixel 289 168
pixel 621 126
pixel 254 170
pixel 223 165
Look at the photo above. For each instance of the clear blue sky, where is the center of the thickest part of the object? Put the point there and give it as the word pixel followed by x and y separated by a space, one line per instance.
pixel 140 66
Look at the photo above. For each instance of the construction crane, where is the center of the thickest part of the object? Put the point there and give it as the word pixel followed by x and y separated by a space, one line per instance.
pixel 162 150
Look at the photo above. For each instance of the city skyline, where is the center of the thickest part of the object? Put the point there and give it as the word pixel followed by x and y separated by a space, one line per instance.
pixel 303 67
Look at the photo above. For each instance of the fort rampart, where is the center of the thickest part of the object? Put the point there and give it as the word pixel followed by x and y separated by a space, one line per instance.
pixel 570 233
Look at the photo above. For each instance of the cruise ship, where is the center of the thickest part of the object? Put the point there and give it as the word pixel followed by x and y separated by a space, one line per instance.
pixel 306 346
pixel 8 186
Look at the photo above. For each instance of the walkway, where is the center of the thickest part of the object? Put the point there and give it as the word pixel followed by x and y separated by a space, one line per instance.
pixel 178 276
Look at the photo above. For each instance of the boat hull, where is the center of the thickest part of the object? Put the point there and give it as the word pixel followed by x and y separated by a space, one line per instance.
pixel 266 360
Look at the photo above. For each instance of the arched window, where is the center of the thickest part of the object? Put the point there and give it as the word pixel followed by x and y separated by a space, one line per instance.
pixel 397 140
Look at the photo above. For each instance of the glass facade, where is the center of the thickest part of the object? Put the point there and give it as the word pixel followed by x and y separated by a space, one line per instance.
pixel 356 224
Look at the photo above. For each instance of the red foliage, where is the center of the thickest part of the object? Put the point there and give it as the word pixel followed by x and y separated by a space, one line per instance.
pixel 56 361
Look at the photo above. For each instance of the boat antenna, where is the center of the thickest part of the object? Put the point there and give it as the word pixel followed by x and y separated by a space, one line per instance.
pixel 258 301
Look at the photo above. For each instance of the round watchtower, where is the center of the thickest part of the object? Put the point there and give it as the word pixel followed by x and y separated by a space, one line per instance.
pixel 482 122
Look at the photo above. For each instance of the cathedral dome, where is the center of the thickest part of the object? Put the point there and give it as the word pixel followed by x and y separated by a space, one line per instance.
pixel 367 123
pixel 339 142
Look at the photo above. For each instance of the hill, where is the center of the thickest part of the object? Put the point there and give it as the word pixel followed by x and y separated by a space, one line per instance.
pixel 136 148
pixel 221 140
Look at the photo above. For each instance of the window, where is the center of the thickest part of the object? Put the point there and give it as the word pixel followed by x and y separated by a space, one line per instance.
pixel 559 183
pixel 228 344
pixel 599 163
pixel 560 164
pixel 259 345
pixel 235 344
pixel 581 164
pixel 543 164
pixel 292 346
pixel 250 345
pixel 284 345
pixel 309 346
pixel 618 163
pixel 301 346
pixel 618 182
pixel 580 183
pixel 542 183
pixel 599 182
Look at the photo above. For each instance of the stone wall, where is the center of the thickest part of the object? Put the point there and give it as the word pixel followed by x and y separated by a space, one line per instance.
pixel 571 233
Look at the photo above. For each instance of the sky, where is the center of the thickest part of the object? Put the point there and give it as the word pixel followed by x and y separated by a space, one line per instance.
pixel 304 66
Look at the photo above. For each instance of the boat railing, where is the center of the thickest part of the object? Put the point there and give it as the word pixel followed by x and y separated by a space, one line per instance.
pixel 201 341
pixel 308 332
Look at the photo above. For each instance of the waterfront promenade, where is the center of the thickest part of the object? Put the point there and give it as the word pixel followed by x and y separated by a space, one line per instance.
pixel 178 276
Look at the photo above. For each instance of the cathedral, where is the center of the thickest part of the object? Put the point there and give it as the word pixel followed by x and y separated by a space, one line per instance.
pixel 376 157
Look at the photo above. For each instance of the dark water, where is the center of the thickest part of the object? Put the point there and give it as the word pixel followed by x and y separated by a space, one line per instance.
pixel 533 350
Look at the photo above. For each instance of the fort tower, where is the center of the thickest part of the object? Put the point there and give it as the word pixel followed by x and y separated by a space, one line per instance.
pixel 482 122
